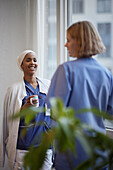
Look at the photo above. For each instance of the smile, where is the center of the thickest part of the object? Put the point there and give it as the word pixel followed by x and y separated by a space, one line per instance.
pixel 32 68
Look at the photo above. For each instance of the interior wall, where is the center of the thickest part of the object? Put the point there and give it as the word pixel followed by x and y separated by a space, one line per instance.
pixel 12 42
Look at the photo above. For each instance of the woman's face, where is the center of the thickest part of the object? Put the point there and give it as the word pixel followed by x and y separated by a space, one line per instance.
pixel 29 64
pixel 72 46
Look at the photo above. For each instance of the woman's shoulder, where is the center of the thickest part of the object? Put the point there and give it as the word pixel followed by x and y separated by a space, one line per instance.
pixel 15 86
pixel 44 84
pixel 68 65
pixel 43 80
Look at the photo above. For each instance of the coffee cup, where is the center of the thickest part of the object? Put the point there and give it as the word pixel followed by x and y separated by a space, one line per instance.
pixel 34 98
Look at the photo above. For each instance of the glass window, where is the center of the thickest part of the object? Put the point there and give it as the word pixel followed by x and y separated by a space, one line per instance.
pixel 52 60
pixel 78 6
pixel 105 33
pixel 104 28
pixel 52 7
pixel 92 13
pixel 52 40
pixel 103 6
pixel 51 33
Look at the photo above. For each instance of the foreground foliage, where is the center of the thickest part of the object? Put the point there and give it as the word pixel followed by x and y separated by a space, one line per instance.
pixel 68 128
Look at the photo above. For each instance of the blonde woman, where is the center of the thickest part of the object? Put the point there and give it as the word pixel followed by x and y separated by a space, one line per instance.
pixel 82 83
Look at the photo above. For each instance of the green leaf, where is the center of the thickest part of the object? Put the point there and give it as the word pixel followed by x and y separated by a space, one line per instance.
pixel 28 113
pixel 35 157
pixel 96 112
pixel 68 128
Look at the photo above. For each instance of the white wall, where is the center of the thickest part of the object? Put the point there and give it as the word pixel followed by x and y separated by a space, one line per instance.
pixel 12 41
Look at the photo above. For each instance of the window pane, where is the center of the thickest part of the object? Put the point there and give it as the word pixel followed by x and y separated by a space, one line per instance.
pixel 104 28
pixel 52 41
pixel 78 6
pixel 103 6
pixel 105 32
pixel 52 7
pixel 103 22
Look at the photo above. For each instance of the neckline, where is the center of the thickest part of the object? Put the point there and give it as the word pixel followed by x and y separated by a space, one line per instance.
pixel 30 86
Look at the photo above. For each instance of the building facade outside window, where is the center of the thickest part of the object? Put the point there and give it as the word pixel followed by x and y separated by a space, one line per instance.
pixel 76 10
pixel 104 6
pixel 61 11
pixel 100 13
pixel 78 6
pixel 105 32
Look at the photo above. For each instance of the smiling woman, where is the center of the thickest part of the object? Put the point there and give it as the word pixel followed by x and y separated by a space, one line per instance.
pixel 29 64
pixel 18 97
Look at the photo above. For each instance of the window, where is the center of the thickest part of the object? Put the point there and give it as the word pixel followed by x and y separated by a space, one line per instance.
pixel 49 29
pixel 103 23
pixel 52 30
pixel 53 18
pixel 104 6
pixel 78 6
pixel 52 64
pixel 105 33
pixel 52 39
pixel 52 7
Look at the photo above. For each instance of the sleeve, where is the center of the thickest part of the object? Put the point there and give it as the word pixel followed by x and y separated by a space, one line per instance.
pixel 5 130
pixel 60 85
pixel 110 101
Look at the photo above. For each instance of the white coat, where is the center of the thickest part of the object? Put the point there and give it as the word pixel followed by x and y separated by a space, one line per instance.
pixel 12 105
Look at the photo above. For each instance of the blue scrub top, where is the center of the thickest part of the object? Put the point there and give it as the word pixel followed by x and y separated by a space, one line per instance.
pixel 82 83
pixel 34 131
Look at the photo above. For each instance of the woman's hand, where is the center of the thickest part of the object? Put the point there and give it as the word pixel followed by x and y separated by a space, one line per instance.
pixel 28 103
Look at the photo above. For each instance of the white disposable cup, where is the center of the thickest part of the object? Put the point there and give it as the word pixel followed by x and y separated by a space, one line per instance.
pixel 31 101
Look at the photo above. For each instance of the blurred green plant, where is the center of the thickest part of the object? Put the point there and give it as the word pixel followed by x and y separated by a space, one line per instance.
pixel 62 136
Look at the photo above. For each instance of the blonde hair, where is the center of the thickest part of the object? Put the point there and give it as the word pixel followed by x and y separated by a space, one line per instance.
pixel 88 38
